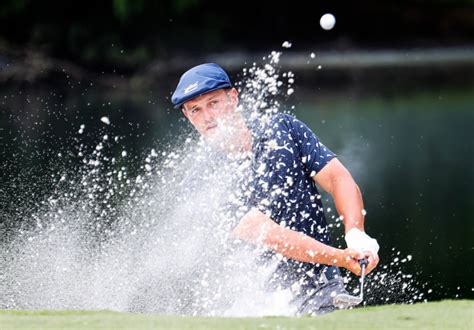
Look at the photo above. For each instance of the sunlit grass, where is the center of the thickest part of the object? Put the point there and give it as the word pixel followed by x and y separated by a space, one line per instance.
pixel 457 314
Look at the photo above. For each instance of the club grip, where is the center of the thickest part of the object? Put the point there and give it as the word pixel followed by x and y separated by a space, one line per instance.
pixel 363 262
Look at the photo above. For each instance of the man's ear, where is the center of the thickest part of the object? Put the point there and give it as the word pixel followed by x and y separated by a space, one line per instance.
pixel 185 113
pixel 234 96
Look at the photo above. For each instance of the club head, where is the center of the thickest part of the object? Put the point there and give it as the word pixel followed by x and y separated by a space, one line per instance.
pixel 344 300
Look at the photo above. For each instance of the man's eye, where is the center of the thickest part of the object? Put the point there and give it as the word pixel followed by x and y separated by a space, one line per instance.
pixel 193 111
pixel 213 103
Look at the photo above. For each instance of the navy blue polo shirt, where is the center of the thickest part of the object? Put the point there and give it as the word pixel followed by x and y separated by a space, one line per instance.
pixel 287 154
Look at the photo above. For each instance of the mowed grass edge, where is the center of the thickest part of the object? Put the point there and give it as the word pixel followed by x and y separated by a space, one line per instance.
pixel 447 314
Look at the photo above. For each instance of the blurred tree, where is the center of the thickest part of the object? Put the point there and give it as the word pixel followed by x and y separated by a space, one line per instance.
pixel 125 9
pixel 12 7
pixel 125 34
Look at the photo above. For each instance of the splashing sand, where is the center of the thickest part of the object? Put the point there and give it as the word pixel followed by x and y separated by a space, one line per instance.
pixel 157 241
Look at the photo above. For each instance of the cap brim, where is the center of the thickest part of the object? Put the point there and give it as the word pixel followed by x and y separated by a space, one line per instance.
pixel 199 93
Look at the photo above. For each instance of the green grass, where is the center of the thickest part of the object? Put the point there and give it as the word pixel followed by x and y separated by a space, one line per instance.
pixel 448 314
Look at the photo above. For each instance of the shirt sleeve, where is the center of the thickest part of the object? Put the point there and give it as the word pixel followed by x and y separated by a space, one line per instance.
pixel 290 148
pixel 313 153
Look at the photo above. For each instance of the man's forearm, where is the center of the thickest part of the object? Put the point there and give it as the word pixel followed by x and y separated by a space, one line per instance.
pixel 336 180
pixel 349 203
pixel 257 228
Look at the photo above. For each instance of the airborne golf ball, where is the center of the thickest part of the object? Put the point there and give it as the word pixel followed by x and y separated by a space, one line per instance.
pixel 327 21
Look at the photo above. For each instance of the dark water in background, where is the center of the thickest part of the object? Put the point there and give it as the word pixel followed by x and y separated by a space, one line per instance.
pixel 412 155
pixel 413 158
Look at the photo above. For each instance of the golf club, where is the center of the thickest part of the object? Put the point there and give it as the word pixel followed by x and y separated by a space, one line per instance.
pixel 363 264
pixel 344 300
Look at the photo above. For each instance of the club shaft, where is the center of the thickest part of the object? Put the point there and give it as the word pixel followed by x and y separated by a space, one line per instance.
pixel 362 277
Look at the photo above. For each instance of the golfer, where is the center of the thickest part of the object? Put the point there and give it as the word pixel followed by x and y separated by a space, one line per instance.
pixel 284 209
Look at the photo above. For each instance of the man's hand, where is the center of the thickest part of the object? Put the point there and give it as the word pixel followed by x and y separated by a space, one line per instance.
pixel 373 261
pixel 351 261
pixel 359 241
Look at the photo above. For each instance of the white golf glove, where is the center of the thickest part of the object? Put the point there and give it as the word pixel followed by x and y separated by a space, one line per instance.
pixel 360 241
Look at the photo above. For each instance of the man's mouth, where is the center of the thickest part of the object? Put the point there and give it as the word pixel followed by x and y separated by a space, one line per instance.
pixel 210 127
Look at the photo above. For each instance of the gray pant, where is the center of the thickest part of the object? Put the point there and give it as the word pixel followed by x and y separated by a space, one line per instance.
pixel 317 297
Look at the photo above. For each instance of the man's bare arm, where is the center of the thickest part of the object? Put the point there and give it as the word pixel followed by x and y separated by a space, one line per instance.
pixel 258 228
pixel 336 180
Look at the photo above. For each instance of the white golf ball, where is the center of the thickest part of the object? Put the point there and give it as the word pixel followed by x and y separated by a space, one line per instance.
pixel 327 21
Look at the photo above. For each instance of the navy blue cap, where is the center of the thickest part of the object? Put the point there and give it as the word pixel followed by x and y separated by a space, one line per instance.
pixel 199 80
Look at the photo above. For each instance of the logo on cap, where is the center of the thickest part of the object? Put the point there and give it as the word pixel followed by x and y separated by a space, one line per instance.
pixel 191 88
pixel 201 79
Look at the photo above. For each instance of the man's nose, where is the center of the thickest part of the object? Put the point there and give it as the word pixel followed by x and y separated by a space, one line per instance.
pixel 207 115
